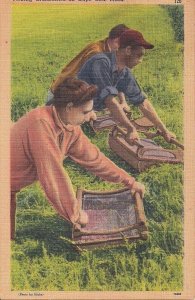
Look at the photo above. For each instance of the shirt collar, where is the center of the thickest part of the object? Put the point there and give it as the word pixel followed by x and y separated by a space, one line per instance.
pixel 59 122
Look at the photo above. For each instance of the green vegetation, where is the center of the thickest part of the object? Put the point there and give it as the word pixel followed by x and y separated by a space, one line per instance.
pixel 44 39
pixel 177 16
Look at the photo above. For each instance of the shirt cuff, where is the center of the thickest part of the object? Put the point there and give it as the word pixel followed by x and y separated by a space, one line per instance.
pixel 140 99
pixel 109 90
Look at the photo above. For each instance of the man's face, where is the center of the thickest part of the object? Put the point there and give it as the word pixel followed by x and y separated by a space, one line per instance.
pixel 135 57
pixel 115 44
pixel 77 115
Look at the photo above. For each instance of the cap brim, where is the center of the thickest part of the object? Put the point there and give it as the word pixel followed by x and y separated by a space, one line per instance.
pixel 147 46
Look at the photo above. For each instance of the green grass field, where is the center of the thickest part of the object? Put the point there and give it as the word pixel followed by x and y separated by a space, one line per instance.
pixel 44 39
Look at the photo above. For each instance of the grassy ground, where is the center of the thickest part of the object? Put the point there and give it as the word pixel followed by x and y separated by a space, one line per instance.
pixel 44 38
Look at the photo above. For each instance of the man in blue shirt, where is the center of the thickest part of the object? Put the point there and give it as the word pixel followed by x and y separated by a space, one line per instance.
pixel 111 72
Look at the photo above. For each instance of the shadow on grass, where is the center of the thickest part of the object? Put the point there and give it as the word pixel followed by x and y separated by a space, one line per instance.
pixel 49 232
pixel 37 234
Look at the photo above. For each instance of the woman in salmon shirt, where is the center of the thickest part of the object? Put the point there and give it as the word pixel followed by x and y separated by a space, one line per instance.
pixel 42 138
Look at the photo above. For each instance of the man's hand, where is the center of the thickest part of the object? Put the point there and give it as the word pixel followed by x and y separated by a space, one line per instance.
pixel 149 112
pixel 168 135
pixel 125 106
pixel 138 188
pixel 132 136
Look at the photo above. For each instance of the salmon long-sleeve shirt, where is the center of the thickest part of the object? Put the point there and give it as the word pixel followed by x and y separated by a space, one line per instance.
pixel 39 144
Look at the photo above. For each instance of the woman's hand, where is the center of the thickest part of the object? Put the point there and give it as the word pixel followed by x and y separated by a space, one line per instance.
pixel 138 187
pixel 83 218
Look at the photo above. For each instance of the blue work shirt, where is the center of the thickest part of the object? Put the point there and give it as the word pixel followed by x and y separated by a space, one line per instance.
pixel 101 70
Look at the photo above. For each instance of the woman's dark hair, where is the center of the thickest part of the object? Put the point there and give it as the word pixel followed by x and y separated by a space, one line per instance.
pixel 116 31
pixel 73 90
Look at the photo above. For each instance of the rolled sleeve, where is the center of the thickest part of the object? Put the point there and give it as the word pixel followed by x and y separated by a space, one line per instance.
pixel 107 91
pixel 131 89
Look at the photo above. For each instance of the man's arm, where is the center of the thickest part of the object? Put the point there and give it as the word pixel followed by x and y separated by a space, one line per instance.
pixel 100 73
pixel 149 112
pixel 123 102
pixel 118 113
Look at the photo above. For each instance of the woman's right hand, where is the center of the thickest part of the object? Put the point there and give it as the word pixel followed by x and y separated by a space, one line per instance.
pixel 83 218
pixel 138 187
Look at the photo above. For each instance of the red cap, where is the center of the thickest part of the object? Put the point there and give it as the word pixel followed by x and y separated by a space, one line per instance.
pixel 132 37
